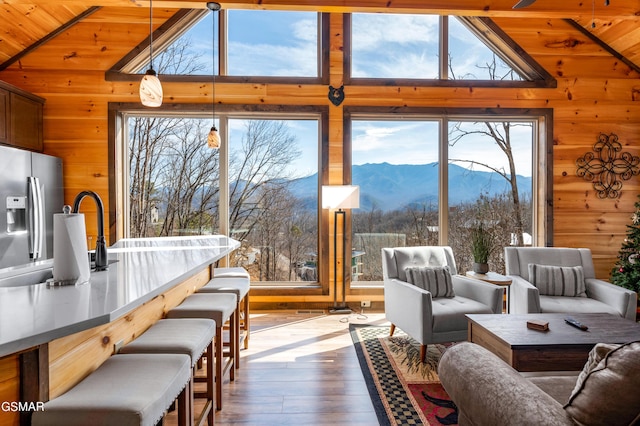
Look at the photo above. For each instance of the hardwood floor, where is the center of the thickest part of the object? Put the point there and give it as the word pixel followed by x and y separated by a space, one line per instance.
pixel 300 369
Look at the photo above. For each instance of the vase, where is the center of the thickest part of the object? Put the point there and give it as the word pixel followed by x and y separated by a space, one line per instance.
pixel 480 268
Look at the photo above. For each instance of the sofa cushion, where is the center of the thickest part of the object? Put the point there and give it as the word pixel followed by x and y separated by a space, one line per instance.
pixel 435 279
pixel 607 391
pixel 558 280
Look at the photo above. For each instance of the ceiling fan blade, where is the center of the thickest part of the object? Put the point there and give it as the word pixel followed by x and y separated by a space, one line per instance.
pixel 523 3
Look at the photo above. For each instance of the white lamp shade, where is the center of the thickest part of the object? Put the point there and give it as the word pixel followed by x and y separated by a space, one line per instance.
pixel 150 90
pixel 340 196
pixel 213 139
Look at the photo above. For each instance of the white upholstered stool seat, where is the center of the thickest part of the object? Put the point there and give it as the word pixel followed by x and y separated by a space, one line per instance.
pixel 126 390
pixel 192 337
pixel 230 272
pixel 219 307
pixel 240 286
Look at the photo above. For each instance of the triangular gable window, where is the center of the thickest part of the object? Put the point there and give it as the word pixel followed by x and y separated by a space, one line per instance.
pixel 256 43
pixel 423 48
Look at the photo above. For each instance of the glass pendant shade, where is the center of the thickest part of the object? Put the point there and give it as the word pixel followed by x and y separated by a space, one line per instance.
pixel 213 140
pixel 151 89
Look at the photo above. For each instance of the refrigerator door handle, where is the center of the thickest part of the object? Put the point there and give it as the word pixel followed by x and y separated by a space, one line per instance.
pixel 36 217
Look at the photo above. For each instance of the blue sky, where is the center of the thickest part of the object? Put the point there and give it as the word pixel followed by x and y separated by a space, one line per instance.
pixel 285 43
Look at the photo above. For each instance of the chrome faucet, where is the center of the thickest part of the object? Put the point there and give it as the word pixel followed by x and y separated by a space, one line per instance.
pixel 101 246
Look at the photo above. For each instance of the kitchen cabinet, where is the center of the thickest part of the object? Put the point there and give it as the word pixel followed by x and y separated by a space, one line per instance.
pixel 20 118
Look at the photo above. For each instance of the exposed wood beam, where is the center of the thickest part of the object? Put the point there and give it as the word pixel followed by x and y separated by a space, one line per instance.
pixel 604 45
pixel 574 9
pixel 48 37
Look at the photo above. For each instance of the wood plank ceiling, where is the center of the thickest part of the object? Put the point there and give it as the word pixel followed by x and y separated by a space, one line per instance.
pixel 25 24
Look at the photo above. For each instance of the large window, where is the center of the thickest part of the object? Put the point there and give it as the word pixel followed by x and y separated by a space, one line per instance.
pixel 273 204
pixel 175 188
pixel 409 199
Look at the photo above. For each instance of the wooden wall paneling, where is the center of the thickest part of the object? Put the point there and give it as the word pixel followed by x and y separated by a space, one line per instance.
pixel 10 387
pixel 595 93
pixel 73 357
pixel 592 222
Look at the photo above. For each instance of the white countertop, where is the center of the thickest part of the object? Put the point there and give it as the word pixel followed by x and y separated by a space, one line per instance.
pixel 143 268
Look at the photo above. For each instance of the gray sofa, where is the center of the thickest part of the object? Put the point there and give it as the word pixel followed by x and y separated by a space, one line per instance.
pixel 600 296
pixel 487 391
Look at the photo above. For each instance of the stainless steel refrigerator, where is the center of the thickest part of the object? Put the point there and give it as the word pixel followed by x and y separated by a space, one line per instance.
pixel 31 191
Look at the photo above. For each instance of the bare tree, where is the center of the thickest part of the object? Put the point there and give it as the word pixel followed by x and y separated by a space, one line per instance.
pixel 500 133
pixel 256 169
pixel 191 183
pixel 148 139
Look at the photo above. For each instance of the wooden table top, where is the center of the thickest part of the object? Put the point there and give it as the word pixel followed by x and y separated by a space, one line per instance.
pixel 491 277
pixel 513 331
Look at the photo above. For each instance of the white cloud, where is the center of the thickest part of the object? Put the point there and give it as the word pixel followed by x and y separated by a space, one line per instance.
pixel 371 32
pixel 395 142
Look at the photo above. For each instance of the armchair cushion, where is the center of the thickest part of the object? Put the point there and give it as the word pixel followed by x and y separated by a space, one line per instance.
pixel 435 279
pixel 558 280
pixel 608 393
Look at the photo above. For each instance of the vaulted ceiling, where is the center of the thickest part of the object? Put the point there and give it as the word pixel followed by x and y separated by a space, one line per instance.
pixel 27 24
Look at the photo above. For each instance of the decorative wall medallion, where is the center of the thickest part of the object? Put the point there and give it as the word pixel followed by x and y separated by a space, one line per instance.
pixel 336 96
pixel 607 166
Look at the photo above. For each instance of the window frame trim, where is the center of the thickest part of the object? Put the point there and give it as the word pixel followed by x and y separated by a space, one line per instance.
pixel 117 136
pixel 542 157
pixel 487 31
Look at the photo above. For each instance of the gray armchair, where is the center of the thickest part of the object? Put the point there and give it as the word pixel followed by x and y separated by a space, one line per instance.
pixel 423 317
pixel 601 296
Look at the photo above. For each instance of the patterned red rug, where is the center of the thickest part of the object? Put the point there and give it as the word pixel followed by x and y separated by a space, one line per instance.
pixel 403 390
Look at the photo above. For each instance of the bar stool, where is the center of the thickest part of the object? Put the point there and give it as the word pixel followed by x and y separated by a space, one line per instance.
pixel 230 272
pixel 219 307
pixel 134 389
pixel 191 337
pixel 239 286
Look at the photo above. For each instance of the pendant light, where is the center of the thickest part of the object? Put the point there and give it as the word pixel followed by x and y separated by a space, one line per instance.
pixel 150 86
pixel 213 139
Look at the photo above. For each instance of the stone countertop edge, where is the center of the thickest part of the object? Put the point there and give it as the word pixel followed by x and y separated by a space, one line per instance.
pixel 24 325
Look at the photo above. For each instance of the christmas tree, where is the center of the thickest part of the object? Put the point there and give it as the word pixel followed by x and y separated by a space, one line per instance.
pixel 626 273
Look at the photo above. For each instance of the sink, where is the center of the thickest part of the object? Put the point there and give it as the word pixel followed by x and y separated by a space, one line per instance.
pixel 28 278
pixel 39 276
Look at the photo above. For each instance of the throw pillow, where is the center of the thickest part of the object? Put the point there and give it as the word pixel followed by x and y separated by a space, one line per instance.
pixel 609 395
pixel 558 280
pixel 435 279
pixel 596 355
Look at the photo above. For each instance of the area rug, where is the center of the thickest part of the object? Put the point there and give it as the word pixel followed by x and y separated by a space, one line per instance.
pixel 403 390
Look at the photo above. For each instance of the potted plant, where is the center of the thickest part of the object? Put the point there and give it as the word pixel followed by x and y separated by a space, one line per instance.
pixel 481 248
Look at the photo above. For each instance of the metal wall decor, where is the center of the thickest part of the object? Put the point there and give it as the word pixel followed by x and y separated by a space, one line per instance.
pixel 607 166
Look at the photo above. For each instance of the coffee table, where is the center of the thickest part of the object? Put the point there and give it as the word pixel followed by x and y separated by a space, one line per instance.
pixel 561 348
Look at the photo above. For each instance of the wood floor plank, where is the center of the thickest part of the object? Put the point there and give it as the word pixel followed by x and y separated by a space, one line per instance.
pixel 300 369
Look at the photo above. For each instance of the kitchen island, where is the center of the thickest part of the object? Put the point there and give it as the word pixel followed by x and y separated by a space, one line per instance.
pixel 55 335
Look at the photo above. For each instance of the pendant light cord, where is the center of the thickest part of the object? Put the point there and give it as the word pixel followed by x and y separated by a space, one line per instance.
pixel 213 67
pixel 214 7
pixel 150 34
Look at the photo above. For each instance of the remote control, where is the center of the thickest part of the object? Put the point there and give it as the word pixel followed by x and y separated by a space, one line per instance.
pixel 576 324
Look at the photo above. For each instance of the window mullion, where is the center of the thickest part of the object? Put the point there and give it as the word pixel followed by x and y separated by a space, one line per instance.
pixel 444 47
pixel 443 182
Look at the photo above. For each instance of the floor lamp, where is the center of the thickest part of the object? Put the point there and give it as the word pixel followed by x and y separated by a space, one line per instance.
pixel 338 198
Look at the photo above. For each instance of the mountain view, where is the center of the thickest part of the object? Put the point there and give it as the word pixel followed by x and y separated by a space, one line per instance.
pixel 390 187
